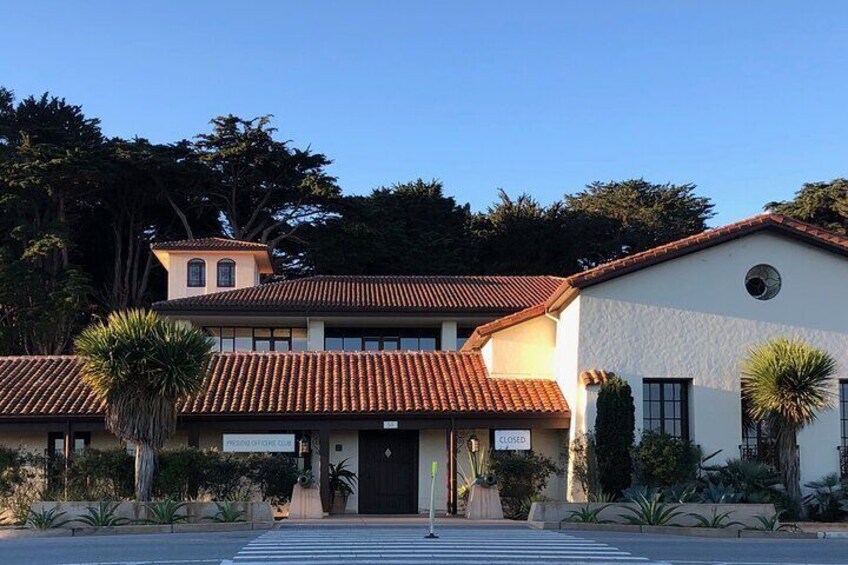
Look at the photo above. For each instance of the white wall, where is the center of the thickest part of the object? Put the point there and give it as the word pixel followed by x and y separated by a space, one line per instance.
pixel 349 442
pixel 691 318
pixel 247 272
pixel 525 350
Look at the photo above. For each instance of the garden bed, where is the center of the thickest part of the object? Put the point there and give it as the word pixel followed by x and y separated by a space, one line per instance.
pixel 137 513
pixel 616 513
pixel 20 532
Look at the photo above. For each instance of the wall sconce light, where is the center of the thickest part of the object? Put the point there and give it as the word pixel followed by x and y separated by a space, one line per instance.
pixel 303 447
pixel 473 444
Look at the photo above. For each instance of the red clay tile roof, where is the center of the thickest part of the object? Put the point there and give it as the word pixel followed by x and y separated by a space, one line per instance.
pixel 775 222
pixel 311 384
pixel 424 294
pixel 571 286
pixel 210 244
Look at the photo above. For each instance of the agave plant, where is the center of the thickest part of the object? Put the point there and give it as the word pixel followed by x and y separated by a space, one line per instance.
pixel 680 493
pixel 772 524
pixel 104 515
pixel 650 511
pixel 601 497
pixel 715 520
pixel 720 494
pixel 166 512
pixel 587 515
pixel 46 519
pixel 636 491
pixel 227 513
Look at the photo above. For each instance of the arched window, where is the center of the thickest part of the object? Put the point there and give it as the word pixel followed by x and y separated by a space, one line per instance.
pixel 197 272
pixel 226 273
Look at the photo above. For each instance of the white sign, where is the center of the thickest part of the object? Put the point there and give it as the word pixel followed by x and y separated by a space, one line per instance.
pixel 390 425
pixel 512 440
pixel 259 443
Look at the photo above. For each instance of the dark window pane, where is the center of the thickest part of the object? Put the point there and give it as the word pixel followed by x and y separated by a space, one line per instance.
pixel 372 344
pixel 262 332
pixel 281 345
pixel 427 343
pixel 333 344
pixel 196 273
pixel 352 344
pixel 409 343
pixel 226 273
pixel 262 345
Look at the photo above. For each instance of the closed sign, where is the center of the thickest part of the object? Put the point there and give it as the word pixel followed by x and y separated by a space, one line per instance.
pixel 512 440
pixel 259 443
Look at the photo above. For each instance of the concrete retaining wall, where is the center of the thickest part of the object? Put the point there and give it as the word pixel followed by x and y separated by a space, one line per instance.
pixel 197 512
pixel 556 512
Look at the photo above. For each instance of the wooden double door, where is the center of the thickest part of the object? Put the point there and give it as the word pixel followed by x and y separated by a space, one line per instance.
pixel 388 472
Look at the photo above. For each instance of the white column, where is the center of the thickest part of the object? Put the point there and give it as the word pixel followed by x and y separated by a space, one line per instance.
pixel 315 335
pixel 448 336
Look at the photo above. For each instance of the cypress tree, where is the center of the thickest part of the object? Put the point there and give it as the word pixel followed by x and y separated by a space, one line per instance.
pixel 614 435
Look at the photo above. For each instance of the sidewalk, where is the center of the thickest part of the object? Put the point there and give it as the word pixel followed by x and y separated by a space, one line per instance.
pixel 353 520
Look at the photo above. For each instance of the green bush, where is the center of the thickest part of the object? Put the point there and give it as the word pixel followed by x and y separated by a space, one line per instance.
pixel 274 475
pixel 522 475
pixel 664 461
pixel 615 425
pixel 224 476
pixel 101 474
pixel 180 473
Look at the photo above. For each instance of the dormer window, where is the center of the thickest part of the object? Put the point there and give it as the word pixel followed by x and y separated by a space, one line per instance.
pixel 197 273
pixel 226 273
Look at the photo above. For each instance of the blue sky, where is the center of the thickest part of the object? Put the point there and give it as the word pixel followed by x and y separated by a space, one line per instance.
pixel 745 99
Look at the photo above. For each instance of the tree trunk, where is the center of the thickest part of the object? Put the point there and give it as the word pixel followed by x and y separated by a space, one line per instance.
pixel 145 464
pixel 788 449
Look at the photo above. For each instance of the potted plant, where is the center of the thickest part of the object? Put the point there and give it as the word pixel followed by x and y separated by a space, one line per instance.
pixel 342 480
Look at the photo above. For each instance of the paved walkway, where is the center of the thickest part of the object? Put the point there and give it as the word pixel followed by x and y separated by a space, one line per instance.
pixel 408 546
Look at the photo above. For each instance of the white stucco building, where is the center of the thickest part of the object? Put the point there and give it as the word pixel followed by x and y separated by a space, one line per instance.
pixel 675 322
pixel 392 373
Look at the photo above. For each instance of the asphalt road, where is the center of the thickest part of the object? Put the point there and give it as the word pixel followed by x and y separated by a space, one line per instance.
pixel 401 545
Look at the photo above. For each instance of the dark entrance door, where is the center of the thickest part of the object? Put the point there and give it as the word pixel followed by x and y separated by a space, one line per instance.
pixel 388 472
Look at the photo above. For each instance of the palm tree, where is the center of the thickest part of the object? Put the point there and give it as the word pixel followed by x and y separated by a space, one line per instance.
pixel 785 383
pixel 141 366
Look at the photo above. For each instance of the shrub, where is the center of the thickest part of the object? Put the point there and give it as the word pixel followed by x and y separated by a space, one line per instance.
pixel 756 482
pixel 823 503
pixel 20 483
pixel 274 475
pixel 585 465
pixel 224 476
pixel 614 431
pixel 664 461
pixel 101 475
pixel 180 473
pixel 522 475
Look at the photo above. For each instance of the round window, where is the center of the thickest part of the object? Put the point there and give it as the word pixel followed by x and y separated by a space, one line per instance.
pixel 762 282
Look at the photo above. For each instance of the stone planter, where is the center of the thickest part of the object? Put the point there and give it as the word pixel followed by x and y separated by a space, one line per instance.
pixel 305 504
pixel 484 503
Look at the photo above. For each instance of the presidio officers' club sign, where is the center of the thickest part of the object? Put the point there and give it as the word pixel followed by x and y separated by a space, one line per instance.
pixel 259 443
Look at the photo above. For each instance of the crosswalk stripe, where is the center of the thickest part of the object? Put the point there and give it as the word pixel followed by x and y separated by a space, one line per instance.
pixel 455 546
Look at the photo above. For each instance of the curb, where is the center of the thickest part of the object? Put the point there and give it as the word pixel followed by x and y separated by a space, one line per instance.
pixel 687 531
pixel 24 533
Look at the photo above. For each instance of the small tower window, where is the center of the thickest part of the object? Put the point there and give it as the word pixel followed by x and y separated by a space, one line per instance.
pixel 226 273
pixel 197 272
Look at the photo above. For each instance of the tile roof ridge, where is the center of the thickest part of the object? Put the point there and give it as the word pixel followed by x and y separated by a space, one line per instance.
pixel 34 357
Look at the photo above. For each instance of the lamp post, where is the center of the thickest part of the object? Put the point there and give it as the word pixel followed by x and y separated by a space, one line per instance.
pixel 304 449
